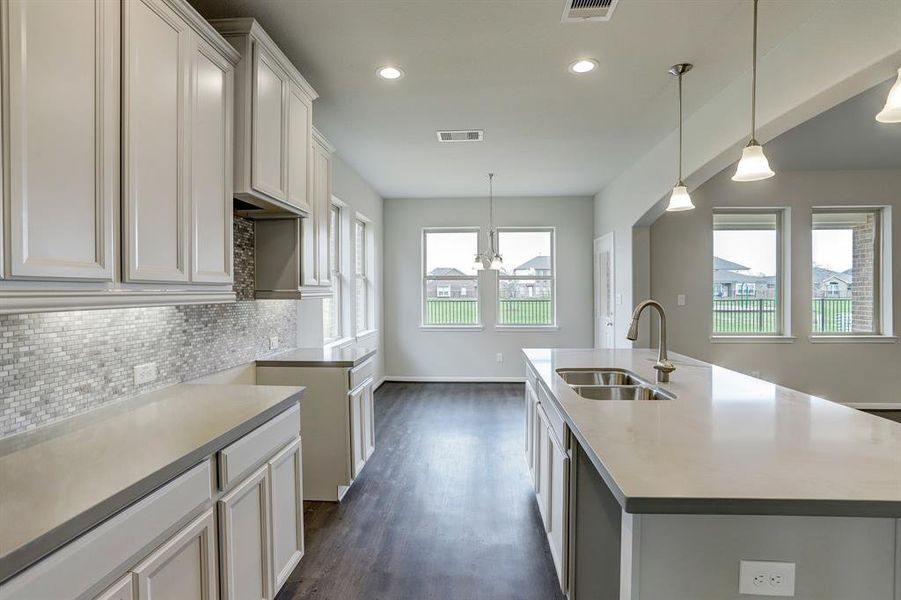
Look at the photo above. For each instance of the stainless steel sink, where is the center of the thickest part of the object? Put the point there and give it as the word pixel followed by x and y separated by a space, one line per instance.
pixel 621 392
pixel 605 376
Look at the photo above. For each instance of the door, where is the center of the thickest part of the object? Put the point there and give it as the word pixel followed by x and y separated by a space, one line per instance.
pixel 244 526
pixel 543 462
pixel 268 163
pixel 357 449
pixel 300 138
pixel 62 96
pixel 211 167
pixel 156 72
pixel 529 396
pixel 558 504
pixel 286 502
pixel 121 590
pixel 604 294
pixel 184 567
pixel 322 161
pixel 368 421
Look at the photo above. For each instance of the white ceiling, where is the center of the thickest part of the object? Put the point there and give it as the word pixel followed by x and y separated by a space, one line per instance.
pixel 846 136
pixel 500 65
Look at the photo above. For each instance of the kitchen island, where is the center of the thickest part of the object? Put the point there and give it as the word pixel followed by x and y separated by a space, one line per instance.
pixel 732 468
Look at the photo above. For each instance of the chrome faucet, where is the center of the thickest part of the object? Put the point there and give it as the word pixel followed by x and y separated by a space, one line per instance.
pixel 664 365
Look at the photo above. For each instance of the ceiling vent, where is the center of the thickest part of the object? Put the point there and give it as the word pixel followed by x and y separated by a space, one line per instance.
pixel 461 135
pixel 577 11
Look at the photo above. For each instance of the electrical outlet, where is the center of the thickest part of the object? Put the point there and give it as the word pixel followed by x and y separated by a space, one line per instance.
pixel 273 342
pixel 680 299
pixel 619 299
pixel 500 357
pixel 760 578
pixel 145 373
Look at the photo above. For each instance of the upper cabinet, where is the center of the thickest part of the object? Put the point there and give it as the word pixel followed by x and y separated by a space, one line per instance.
pixel 117 155
pixel 61 162
pixel 273 122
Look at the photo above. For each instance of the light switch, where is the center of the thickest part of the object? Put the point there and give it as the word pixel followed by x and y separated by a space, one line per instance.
pixel 680 299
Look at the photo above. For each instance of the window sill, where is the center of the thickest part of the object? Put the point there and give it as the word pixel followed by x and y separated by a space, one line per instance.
pixel 367 334
pixel 853 339
pixel 523 328
pixel 752 339
pixel 338 343
pixel 451 327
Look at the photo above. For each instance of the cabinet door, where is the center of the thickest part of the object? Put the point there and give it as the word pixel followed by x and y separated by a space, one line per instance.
pixel 357 449
pixel 286 501
pixel 322 178
pixel 184 567
pixel 557 504
pixel 244 527
pixel 268 163
pixel 529 414
pixel 62 97
pixel 368 421
pixel 544 466
pixel 121 590
pixel 211 166
pixel 156 70
pixel 300 128
pixel 537 425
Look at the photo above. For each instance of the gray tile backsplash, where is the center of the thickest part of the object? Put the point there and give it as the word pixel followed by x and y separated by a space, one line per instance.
pixel 53 365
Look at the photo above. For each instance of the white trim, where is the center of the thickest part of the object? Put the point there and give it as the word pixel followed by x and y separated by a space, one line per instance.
pixel 452 379
pixel 366 334
pixel 343 341
pixel 379 383
pixel 873 405
pixel 752 339
pixel 531 328
pixel 451 327
pixel 853 339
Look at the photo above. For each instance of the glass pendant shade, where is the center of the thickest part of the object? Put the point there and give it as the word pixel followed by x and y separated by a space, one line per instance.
pixel 892 111
pixel 477 264
pixel 680 200
pixel 753 165
pixel 497 263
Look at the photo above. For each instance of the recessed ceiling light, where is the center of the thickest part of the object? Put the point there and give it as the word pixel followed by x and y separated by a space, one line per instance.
pixel 390 73
pixel 584 65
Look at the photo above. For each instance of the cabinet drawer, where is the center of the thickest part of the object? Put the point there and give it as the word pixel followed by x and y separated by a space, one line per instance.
pixel 72 571
pixel 361 373
pixel 239 459
pixel 555 420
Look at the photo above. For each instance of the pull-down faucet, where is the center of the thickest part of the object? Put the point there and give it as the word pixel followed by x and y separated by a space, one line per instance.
pixel 664 365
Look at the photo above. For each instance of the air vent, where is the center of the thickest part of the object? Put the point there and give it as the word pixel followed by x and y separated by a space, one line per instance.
pixel 576 11
pixel 461 135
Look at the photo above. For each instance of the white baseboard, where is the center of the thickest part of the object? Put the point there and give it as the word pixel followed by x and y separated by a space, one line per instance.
pixel 379 383
pixel 422 379
pixel 874 405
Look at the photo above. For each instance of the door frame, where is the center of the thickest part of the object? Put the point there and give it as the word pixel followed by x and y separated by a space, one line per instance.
pixel 605 241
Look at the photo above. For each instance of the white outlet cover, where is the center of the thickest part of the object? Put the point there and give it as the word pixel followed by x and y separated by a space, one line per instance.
pixel 680 299
pixel 500 357
pixel 765 578
pixel 273 342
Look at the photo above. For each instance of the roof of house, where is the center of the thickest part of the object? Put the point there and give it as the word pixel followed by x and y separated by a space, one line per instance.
pixel 447 271
pixel 721 264
pixel 733 277
pixel 821 274
pixel 538 263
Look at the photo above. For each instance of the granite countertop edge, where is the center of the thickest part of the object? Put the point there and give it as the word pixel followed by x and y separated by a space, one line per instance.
pixel 294 358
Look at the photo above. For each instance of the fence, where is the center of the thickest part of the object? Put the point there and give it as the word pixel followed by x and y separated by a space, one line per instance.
pixel 465 311
pixel 758 315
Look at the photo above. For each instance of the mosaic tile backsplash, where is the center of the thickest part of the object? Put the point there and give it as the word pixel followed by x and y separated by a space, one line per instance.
pixel 53 365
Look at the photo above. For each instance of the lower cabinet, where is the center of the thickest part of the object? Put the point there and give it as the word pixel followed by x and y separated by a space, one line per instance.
pixel 124 589
pixel 362 427
pixel 286 500
pixel 183 567
pixel 244 528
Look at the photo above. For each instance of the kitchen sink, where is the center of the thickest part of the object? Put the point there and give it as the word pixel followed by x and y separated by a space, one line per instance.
pixel 621 392
pixel 606 376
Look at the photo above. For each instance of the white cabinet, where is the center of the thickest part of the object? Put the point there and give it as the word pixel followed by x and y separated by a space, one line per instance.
pixel 244 528
pixel 557 504
pixel 183 567
pixel 368 421
pixel 61 94
pixel 286 510
pixel 273 122
pixel 318 262
pixel 177 93
pixel 124 589
pixel 357 427
pixel 529 406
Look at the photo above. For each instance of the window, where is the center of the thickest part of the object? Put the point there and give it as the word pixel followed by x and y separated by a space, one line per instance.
pixel 450 286
pixel 525 289
pixel 362 282
pixel 331 305
pixel 846 256
pixel 747 272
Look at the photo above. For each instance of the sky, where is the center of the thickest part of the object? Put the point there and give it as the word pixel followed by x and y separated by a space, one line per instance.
pixel 757 249
pixel 458 249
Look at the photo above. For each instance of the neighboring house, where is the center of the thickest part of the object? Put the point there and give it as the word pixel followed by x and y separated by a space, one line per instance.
pixel 730 282
pixel 831 284
pixel 541 288
pixel 449 288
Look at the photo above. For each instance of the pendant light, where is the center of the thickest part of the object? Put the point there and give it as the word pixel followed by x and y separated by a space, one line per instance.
pixel 489 259
pixel 679 199
pixel 753 165
pixel 891 113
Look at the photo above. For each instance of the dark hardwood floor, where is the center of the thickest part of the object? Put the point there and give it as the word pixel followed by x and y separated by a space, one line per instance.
pixel 892 415
pixel 443 510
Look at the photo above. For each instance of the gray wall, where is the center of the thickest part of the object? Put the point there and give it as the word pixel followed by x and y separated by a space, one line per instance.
pixel 54 365
pixel 413 352
pixel 681 250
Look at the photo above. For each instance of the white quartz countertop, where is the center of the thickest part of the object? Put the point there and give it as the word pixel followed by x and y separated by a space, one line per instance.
pixel 60 480
pixel 728 443
pixel 318 357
